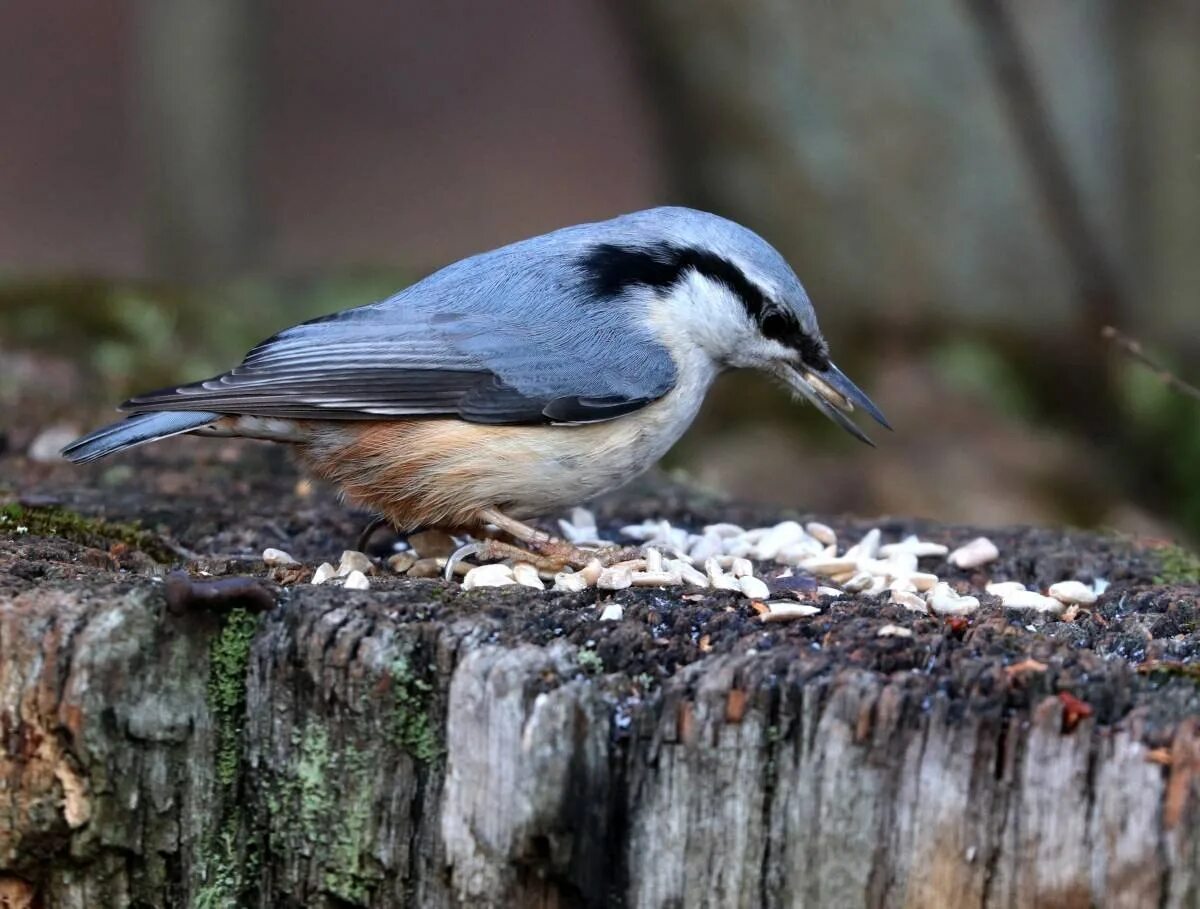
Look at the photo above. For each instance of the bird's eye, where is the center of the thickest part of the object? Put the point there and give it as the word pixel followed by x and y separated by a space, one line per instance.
pixel 776 326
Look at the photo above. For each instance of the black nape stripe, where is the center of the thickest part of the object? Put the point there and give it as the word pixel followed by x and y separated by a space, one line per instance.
pixel 612 269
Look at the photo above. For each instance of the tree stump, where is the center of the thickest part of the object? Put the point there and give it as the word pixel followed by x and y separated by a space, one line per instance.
pixel 210 741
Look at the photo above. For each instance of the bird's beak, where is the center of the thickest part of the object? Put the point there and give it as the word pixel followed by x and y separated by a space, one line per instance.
pixel 832 393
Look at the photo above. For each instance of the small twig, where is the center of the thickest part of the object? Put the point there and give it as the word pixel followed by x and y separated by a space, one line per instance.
pixel 1133 349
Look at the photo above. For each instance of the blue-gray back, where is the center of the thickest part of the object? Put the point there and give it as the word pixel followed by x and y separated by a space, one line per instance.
pixel 537 331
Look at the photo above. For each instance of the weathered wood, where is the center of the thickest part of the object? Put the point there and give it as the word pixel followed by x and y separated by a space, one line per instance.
pixel 413 745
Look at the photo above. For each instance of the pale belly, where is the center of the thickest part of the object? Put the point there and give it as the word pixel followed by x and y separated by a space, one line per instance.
pixel 533 471
pixel 438 472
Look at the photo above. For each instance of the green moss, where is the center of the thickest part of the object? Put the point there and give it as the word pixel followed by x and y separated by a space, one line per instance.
pixel 54 521
pixel 1178 566
pixel 224 883
pixel 346 874
pixel 327 797
pixel 226 868
pixel 589 661
pixel 228 658
pixel 411 726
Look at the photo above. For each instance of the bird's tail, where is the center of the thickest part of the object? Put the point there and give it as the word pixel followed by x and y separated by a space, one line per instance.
pixel 135 430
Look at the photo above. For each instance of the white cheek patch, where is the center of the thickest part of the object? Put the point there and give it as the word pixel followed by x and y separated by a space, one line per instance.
pixel 705 314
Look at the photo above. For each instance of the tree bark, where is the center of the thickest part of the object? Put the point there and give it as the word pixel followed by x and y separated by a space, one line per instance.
pixel 370 753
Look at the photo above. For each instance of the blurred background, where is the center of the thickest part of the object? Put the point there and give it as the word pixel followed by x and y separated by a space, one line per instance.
pixel 970 190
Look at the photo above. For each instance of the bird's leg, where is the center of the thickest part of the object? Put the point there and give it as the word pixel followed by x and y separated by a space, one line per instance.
pixel 545 545
pixel 543 551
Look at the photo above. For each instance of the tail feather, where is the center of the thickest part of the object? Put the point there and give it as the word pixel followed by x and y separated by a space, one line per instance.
pixel 135 430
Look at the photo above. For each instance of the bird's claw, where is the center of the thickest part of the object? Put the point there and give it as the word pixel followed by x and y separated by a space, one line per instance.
pixel 549 556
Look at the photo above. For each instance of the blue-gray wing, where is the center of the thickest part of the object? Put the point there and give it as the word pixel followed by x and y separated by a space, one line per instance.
pixel 517 335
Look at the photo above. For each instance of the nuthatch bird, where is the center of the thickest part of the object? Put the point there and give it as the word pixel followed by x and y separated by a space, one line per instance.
pixel 520 381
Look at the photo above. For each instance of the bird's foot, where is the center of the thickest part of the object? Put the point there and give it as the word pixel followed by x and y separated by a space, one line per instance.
pixel 550 556
pixel 541 550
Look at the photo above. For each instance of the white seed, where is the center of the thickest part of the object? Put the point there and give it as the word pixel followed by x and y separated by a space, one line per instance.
pixel 1100 585
pixel 867 547
pixel 570 582
pixel 1031 599
pixel 690 575
pixel 783 534
pixel 401 562
pixel 826 565
pixel 796 553
pixel 678 555
pixel 901 563
pixel 943 600
pixel 910 601
pixel 654 560
pixel 724 530
pixel 581 528
pixel 657 579
pixel 497 575
pixel 277 558
pixel 741 568
pixel 1004 588
pixel 615 578
pixel 894 631
pixel 859 582
pixel 902 585
pixel 613 612
pixel 830 592
pixel 679 539
pixel 353 560
pixel 718 578
pixel 356 580
pixel 739 549
pixel 1073 592
pixel 324 572
pixel 923 580
pixel 878 585
pixel 647 530
pixel 591 572
pixel 706 547
pixel 917 547
pixel 780 611
pixel 753 588
pixel 579 533
pixel 876 566
pixel 527 576
pixel 978 552
pixel 631 564
pixel 821 532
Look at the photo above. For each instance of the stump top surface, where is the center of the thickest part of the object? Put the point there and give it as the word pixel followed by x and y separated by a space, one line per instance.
pixel 1130 658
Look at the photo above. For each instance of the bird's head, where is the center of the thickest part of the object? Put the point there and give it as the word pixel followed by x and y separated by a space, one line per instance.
pixel 720 288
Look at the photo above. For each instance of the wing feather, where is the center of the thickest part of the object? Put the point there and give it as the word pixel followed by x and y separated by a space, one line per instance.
pixel 536 346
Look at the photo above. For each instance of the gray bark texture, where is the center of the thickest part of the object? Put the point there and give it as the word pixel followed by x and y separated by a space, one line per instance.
pixel 414 745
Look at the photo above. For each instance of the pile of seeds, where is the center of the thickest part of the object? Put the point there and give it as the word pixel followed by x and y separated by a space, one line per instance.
pixel 723 557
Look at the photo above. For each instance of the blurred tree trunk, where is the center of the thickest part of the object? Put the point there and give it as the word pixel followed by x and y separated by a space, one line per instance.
pixel 869 141
pixel 1159 46
pixel 196 91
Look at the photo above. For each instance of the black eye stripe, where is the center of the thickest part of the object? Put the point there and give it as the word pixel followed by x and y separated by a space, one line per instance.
pixel 610 269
